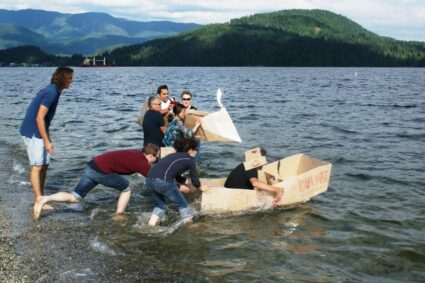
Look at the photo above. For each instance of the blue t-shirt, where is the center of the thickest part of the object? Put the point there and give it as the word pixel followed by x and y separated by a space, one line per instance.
pixel 49 97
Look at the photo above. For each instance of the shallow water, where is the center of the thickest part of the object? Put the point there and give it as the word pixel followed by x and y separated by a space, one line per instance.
pixel 368 227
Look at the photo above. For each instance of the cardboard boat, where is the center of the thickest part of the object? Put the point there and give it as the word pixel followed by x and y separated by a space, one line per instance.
pixel 301 176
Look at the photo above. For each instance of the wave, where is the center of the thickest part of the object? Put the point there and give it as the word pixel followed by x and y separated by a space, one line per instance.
pixel 414 256
pixel 122 128
pixel 411 135
pixel 360 176
pixel 405 106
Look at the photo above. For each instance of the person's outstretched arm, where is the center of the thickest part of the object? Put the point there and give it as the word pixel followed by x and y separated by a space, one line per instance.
pixel 266 187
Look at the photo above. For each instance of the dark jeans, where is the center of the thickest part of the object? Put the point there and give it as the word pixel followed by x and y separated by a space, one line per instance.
pixel 161 191
pixel 92 177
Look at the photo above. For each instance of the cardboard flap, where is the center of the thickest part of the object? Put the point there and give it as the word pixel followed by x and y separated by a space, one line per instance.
pixel 254 163
pixel 166 151
pixel 252 153
pixel 192 116
pixel 218 126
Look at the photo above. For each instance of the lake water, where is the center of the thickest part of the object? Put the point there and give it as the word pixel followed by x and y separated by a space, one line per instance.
pixel 368 227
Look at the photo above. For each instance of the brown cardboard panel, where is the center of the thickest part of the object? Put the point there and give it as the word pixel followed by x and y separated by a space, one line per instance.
pixel 254 163
pixel 166 151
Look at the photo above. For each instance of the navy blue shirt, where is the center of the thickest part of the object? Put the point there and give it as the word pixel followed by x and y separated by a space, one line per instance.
pixel 172 166
pixel 49 97
pixel 152 123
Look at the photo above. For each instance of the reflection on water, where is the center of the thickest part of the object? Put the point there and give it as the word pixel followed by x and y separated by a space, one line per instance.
pixel 368 227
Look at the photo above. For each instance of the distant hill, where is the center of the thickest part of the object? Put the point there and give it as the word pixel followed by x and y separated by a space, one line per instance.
pixel 79 33
pixel 34 56
pixel 283 38
pixel 13 35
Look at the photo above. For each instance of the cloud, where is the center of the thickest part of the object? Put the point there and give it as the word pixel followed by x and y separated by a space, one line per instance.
pixel 396 18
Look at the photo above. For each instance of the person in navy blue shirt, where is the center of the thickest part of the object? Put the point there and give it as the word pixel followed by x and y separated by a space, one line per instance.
pixel 35 128
pixel 153 123
pixel 166 183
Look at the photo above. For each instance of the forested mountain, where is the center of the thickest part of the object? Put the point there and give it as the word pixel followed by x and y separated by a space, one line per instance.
pixel 12 35
pixel 283 38
pixel 32 55
pixel 79 33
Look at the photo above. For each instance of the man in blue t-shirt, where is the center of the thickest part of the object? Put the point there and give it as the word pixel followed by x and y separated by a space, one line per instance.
pixel 35 128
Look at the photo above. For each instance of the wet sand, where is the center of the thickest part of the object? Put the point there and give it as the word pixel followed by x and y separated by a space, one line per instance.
pixel 10 262
pixel 51 250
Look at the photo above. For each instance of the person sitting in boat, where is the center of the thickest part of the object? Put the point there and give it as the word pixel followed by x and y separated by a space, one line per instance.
pixel 162 179
pixel 245 175
pixel 176 129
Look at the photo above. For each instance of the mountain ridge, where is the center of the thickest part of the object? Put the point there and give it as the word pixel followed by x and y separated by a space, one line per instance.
pixel 75 28
pixel 281 38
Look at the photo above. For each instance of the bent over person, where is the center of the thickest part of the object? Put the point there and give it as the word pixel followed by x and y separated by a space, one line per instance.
pixel 106 169
pixel 35 128
pixel 166 183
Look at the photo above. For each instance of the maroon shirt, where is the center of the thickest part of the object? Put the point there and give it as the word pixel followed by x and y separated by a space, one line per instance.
pixel 124 162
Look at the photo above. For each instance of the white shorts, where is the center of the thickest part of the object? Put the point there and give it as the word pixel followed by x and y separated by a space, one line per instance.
pixel 36 150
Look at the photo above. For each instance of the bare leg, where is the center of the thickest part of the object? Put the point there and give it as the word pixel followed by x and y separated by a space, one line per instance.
pixel 58 197
pixel 43 174
pixel 42 181
pixel 123 201
pixel 35 180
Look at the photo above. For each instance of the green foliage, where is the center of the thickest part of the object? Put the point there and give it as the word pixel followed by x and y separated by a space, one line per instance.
pixel 283 38
pixel 31 55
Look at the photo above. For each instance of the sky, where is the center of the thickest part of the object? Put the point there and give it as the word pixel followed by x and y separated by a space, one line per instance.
pixel 399 19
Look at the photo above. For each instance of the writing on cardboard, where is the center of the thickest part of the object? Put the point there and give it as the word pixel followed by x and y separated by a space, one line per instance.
pixel 318 179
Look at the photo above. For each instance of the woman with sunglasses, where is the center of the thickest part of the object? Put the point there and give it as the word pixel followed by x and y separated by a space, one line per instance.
pixel 187 100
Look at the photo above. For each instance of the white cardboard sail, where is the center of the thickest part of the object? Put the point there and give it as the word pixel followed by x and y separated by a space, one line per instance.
pixel 217 126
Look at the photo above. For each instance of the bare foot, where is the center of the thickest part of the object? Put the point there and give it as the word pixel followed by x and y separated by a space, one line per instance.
pixel 47 207
pixel 119 217
pixel 38 204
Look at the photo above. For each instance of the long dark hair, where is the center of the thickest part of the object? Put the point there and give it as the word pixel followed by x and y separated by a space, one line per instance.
pixel 185 144
pixel 178 108
pixel 60 75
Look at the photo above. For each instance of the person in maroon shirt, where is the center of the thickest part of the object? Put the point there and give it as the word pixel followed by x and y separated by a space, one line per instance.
pixel 106 169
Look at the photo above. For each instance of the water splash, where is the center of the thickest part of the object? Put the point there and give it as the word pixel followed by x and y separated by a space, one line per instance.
pixel 19 168
pixel 95 212
pixel 85 275
pixel 101 247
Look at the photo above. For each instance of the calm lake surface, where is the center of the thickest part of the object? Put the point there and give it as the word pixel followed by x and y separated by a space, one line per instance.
pixel 368 227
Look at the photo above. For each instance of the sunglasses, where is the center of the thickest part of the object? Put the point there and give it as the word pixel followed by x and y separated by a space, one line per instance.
pixel 187 99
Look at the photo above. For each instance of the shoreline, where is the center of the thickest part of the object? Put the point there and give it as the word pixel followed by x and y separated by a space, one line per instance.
pixel 10 261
